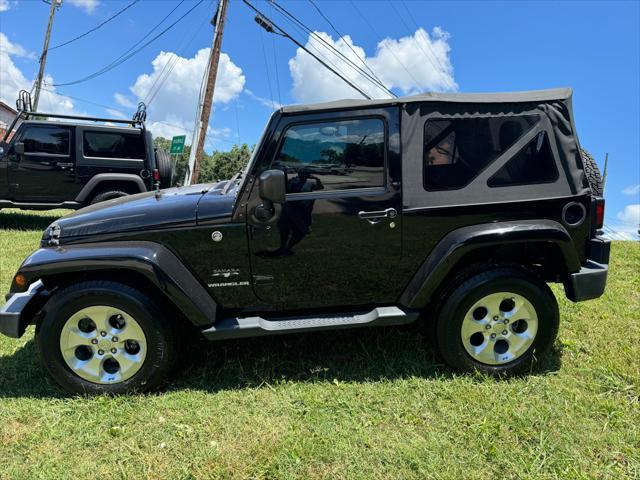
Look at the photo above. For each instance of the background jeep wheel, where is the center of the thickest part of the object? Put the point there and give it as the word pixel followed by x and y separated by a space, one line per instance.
pixel 592 172
pixel 108 195
pixel 105 337
pixel 166 167
pixel 498 322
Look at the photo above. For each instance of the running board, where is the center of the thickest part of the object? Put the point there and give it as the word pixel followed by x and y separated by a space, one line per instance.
pixel 256 326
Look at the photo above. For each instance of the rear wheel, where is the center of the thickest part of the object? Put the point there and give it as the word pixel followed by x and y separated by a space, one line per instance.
pixel 105 337
pixel 499 322
pixel 108 195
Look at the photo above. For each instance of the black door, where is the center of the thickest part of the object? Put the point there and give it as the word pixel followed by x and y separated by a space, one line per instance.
pixel 337 239
pixel 45 172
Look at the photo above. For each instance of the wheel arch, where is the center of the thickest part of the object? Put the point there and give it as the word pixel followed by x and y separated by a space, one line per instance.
pixel 468 250
pixel 147 266
pixel 97 183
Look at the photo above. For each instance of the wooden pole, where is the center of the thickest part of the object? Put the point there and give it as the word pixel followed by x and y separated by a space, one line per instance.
pixel 43 56
pixel 212 72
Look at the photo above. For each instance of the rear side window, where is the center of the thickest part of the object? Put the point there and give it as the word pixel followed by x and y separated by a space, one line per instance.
pixel 113 145
pixel 457 149
pixel 533 164
pixel 49 140
pixel 335 155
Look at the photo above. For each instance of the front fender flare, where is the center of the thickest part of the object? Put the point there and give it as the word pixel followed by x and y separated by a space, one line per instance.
pixel 459 242
pixel 156 262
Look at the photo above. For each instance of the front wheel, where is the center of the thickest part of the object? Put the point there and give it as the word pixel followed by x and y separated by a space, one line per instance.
pixel 105 337
pixel 499 322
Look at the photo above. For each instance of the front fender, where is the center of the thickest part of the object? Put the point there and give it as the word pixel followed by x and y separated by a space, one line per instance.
pixel 156 262
pixel 457 243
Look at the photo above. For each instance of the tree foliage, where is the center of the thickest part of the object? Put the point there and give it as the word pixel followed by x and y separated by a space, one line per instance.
pixel 219 165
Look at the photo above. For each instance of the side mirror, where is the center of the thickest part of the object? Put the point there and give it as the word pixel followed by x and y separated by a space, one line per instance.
pixel 18 147
pixel 272 187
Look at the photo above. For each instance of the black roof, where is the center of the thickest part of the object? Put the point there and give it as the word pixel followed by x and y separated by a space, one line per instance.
pixel 508 97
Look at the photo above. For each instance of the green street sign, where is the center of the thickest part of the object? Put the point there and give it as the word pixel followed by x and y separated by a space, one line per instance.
pixel 177 144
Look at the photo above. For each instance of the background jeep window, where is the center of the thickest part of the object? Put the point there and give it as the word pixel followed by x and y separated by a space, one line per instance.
pixel 333 155
pixel 456 150
pixel 51 140
pixel 533 164
pixel 113 145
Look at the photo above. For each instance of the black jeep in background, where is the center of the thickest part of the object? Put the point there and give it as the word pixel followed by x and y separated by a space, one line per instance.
pixel 453 209
pixel 64 161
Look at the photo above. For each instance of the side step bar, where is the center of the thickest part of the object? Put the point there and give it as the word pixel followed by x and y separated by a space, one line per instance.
pixel 256 326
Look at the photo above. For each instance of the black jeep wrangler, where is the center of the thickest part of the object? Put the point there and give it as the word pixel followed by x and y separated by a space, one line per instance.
pixel 65 161
pixel 452 208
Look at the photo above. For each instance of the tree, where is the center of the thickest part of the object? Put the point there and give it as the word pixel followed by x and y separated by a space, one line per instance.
pixel 220 165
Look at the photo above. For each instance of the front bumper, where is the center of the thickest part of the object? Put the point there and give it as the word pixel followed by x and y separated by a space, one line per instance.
pixel 13 322
pixel 591 280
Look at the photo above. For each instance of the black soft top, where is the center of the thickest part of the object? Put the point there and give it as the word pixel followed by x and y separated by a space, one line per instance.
pixel 497 98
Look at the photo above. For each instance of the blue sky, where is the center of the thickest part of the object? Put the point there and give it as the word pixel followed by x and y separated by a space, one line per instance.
pixel 592 47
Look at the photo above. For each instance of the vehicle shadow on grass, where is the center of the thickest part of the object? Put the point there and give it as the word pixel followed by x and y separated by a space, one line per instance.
pixel 24 221
pixel 359 355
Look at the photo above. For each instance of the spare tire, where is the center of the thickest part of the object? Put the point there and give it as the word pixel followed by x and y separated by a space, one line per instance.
pixel 592 172
pixel 166 166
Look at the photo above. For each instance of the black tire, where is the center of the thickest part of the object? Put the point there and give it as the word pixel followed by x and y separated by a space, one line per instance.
pixel 108 195
pixel 160 338
pixel 448 328
pixel 166 166
pixel 592 172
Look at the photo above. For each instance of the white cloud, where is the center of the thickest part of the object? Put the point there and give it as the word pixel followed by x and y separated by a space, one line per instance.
pixel 14 49
pixel 630 215
pixel 88 6
pixel 412 64
pixel 267 102
pixel 4 5
pixel 13 80
pixel 172 111
pixel 123 100
pixel 632 189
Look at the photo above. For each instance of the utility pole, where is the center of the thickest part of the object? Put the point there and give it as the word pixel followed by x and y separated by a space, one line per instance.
pixel 206 101
pixel 43 58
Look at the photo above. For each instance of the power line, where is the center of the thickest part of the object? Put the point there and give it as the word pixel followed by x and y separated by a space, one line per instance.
pixel 442 70
pixel 371 27
pixel 373 79
pixel 124 57
pixel 272 27
pixel 364 62
pixel 266 66
pixel 275 63
pixel 162 77
pixel 96 27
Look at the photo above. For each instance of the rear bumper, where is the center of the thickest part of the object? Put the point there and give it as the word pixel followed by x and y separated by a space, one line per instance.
pixel 12 321
pixel 591 280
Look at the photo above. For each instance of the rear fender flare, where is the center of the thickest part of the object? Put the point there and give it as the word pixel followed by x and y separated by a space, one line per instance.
pixel 457 243
pixel 154 261
pixel 97 181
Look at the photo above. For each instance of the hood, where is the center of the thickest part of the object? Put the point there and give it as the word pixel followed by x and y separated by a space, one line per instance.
pixel 170 208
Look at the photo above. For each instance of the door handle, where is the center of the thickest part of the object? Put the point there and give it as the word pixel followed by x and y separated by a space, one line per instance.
pixel 375 217
pixel 64 165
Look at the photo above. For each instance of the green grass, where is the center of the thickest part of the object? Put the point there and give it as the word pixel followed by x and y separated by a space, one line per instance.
pixel 350 404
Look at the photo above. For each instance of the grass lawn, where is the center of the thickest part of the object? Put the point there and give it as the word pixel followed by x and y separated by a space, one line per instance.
pixel 350 404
